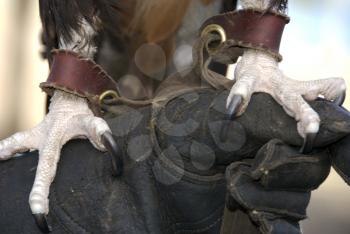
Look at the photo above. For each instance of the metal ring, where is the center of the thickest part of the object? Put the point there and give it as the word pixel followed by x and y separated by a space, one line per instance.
pixel 217 29
pixel 108 93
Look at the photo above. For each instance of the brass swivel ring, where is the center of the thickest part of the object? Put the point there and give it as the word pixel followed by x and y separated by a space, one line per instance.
pixel 108 94
pixel 215 29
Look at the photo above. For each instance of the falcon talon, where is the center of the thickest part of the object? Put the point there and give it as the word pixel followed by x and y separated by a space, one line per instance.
pixel 41 222
pixel 308 144
pixel 232 109
pixel 340 100
pixel 112 148
pixel 233 105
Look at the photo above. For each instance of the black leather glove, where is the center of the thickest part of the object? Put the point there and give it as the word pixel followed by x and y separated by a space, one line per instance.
pixel 171 180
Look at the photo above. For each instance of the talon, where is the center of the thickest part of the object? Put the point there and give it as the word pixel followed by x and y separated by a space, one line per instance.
pixel 308 143
pixel 233 106
pixel 117 162
pixel 340 100
pixel 232 109
pixel 41 222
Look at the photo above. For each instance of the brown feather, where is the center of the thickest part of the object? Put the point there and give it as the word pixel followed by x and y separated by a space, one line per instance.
pixel 207 2
pixel 151 21
pixel 159 19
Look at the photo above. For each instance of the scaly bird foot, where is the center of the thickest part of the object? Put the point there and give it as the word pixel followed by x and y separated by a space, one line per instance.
pixel 41 222
pixel 259 72
pixel 69 118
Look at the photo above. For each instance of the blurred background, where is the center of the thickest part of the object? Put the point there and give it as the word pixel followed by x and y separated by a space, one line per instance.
pixel 316 44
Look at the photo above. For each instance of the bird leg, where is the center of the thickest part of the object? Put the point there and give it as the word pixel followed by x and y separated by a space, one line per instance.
pixel 258 71
pixel 69 118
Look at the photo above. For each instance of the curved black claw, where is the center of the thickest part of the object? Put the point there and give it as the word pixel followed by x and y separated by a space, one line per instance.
pixel 340 100
pixel 231 113
pixel 41 222
pixel 117 161
pixel 308 144
pixel 234 105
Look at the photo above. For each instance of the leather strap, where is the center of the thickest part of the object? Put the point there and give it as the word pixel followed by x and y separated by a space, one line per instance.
pixel 250 28
pixel 77 75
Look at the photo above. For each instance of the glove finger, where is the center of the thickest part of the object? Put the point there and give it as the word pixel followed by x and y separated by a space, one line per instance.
pixel 275 123
pixel 340 158
pixel 281 167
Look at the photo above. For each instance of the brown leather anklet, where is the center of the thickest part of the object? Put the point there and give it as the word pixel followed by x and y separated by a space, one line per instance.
pixel 77 75
pixel 248 28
